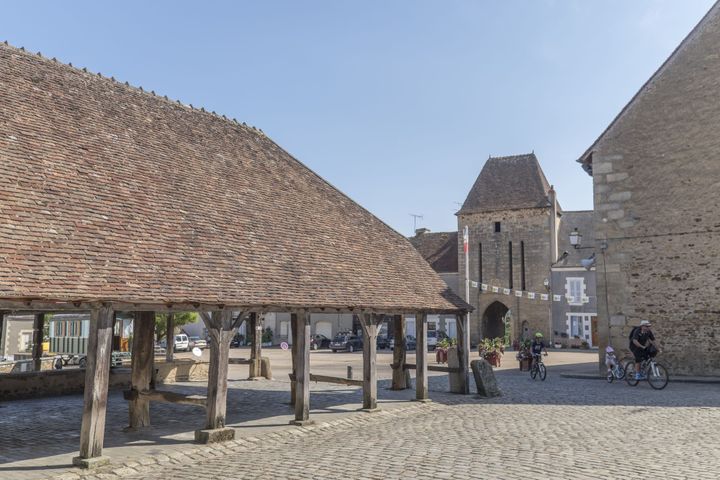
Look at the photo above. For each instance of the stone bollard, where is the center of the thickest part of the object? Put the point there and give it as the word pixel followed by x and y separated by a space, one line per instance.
pixel 485 379
pixel 265 370
pixel 349 372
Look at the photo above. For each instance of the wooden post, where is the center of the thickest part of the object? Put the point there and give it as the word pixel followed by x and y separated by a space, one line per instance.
pixel 369 327
pixel 97 373
pixel 170 336
pixel 38 326
pixel 143 363
pixel 421 373
pixel 463 349
pixel 302 373
pixel 221 328
pixel 399 374
pixel 294 343
pixel 254 331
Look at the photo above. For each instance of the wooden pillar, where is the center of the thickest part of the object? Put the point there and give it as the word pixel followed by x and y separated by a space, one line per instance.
pixel 38 326
pixel 254 331
pixel 463 349
pixel 143 363
pixel 170 336
pixel 294 343
pixel 369 327
pixel 302 371
pixel 421 373
pixel 399 374
pixel 221 328
pixel 97 373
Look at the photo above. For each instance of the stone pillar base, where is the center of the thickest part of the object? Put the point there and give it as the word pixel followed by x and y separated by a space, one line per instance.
pixel 370 410
pixel 90 463
pixel 422 400
pixel 214 435
pixel 302 423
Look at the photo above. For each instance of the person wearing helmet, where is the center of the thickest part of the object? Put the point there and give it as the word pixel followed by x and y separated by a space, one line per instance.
pixel 537 347
pixel 610 359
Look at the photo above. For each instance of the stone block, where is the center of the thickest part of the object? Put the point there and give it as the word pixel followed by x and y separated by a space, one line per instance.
pixel 485 379
pixel 214 435
pixel 620 196
pixel 90 463
pixel 616 177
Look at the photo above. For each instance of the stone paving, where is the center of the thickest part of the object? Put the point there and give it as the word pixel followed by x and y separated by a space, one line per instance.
pixel 560 428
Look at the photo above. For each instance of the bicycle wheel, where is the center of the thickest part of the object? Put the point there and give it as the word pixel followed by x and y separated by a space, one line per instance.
pixel 657 376
pixel 542 371
pixel 620 372
pixel 630 374
pixel 533 371
pixel 610 377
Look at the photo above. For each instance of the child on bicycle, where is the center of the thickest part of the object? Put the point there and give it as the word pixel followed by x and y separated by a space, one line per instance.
pixel 537 347
pixel 611 361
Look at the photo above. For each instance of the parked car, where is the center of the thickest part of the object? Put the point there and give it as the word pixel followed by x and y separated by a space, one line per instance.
pixel 197 342
pixel 383 342
pixel 434 336
pixel 410 342
pixel 116 359
pixel 319 341
pixel 346 341
pixel 182 343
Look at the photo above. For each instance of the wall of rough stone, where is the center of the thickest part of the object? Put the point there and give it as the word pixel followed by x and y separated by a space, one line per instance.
pixel 530 226
pixel 656 176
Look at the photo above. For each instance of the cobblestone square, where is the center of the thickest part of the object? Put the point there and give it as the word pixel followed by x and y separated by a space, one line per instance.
pixel 560 428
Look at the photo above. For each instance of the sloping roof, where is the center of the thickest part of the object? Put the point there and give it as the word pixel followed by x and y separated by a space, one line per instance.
pixel 111 193
pixel 583 221
pixel 586 158
pixel 440 249
pixel 507 183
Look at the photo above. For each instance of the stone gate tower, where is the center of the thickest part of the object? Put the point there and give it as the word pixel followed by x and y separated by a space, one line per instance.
pixel 511 211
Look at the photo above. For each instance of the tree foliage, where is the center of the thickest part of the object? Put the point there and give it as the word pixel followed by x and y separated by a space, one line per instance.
pixel 181 318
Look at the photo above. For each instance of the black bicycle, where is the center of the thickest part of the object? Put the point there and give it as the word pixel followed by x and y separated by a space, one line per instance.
pixel 538 367
pixel 654 372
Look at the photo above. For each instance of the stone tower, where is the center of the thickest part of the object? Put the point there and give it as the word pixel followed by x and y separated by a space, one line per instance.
pixel 512 215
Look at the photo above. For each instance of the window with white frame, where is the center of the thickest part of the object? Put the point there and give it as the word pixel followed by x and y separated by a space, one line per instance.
pixel 575 290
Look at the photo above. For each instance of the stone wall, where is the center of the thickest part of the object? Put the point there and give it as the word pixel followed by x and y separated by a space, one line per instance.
pixel 532 228
pixel 656 175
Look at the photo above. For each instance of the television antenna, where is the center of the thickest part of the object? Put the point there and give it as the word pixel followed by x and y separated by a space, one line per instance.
pixel 415 219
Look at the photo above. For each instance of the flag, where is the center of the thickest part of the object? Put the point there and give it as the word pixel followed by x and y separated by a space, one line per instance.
pixel 506 291
pixel 466 239
pixel 544 296
pixel 557 298
pixel 474 284
pixel 495 289
pixel 531 295
pixel 518 293
pixel 483 287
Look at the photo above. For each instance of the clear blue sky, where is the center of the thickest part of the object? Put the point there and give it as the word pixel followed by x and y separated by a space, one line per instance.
pixel 397 103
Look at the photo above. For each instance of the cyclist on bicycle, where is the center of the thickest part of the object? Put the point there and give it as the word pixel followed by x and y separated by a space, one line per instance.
pixel 642 345
pixel 537 347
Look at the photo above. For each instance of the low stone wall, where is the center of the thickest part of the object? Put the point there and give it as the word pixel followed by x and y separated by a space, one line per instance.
pixel 15 386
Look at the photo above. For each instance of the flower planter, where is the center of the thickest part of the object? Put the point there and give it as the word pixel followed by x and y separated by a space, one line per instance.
pixel 525 364
pixel 441 355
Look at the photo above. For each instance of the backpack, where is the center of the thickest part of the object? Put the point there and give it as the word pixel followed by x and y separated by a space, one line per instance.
pixel 632 334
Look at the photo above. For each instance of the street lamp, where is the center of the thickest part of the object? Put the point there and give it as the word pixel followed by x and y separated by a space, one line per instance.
pixel 575 238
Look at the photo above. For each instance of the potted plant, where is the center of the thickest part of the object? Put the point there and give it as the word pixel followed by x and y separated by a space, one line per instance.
pixel 441 350
pixel 523 356
pixel 492 349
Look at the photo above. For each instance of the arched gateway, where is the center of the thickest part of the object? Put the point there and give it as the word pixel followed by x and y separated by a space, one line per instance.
pixel 493 320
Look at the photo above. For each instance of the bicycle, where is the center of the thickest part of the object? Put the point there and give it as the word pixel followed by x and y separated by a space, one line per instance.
pixel 616 372
pixel 538 367
pixel 654 372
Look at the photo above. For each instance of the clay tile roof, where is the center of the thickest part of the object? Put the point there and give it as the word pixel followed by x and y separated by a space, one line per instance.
pixel 111 193
pixel 440 249
pixel 507 183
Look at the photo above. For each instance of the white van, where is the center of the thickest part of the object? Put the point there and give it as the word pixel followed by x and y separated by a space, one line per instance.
pixel 182 343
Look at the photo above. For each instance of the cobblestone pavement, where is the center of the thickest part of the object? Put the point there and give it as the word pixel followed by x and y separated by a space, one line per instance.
pixel 560 428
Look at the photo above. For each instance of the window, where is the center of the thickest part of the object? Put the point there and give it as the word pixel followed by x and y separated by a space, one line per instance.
pixel 480 279
pixel 510 266
pixel 575 326
pixel 574 290
pixel 497 227
pixel 522 266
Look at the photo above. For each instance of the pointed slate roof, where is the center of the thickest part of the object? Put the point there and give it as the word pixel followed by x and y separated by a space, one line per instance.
pixel 109 193
pixel 440 249
pixel 508 183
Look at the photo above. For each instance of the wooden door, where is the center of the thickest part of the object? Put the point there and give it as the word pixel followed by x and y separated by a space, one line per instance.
pixel 594 330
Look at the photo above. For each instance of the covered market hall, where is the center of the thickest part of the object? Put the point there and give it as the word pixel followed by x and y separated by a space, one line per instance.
pixel 114 199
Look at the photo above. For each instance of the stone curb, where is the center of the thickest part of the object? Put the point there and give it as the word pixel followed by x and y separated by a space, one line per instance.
pixel 677 379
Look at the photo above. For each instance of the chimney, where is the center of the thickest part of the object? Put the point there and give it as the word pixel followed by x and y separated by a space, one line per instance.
pixel 420 231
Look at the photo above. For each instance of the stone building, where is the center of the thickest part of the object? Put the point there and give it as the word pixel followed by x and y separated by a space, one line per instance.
pixel 516 229
pixel 656 175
